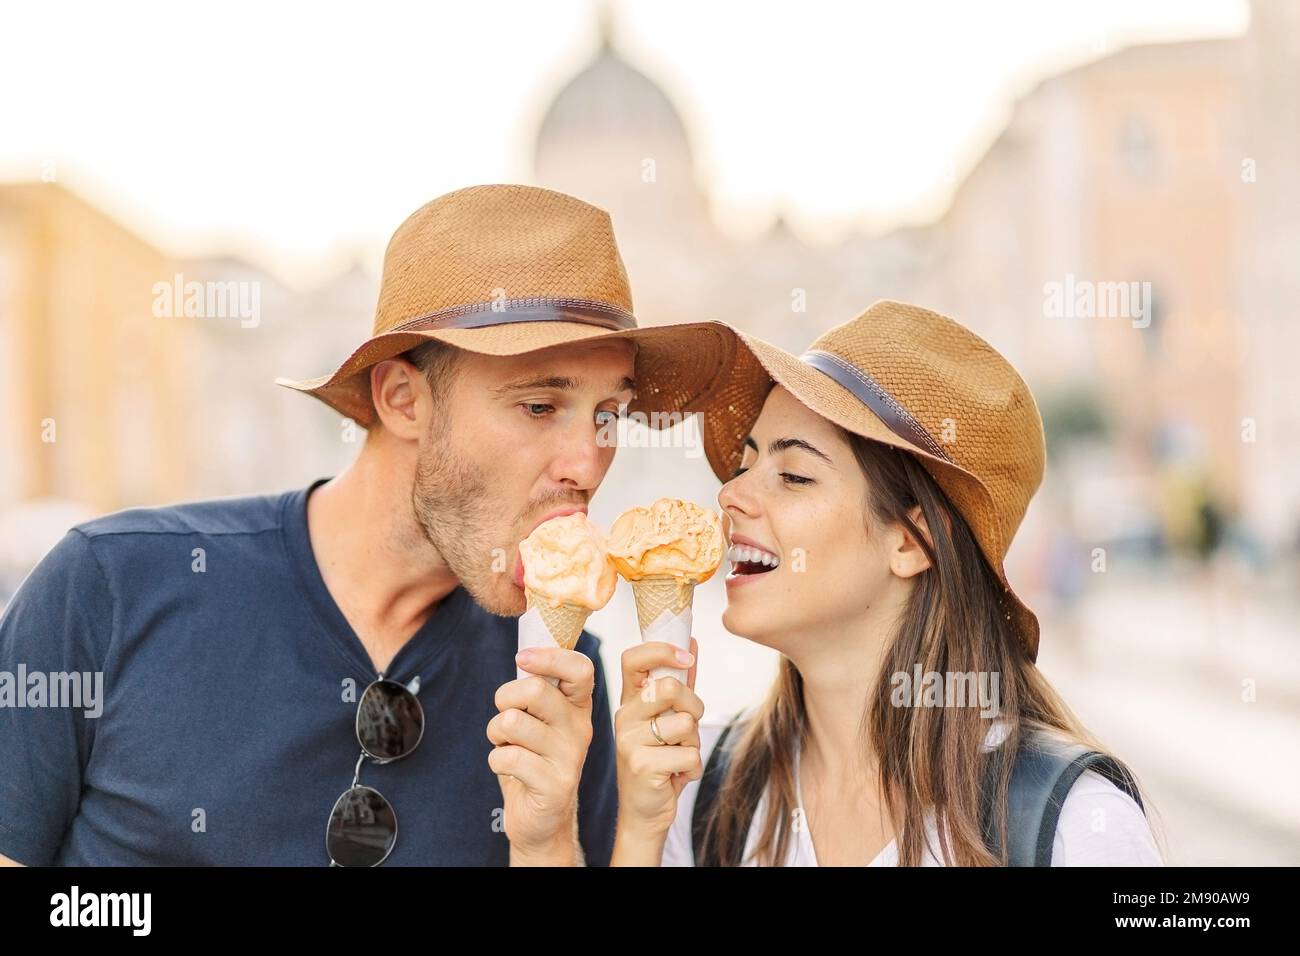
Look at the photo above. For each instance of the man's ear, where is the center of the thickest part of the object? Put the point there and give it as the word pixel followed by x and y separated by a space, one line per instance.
pixel 908 557
pixel 399 392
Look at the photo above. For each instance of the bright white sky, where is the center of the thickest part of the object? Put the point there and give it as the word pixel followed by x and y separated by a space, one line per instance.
pixel 297 135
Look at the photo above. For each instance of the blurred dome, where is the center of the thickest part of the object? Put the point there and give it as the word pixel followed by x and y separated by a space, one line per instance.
pixel 610 99
pixel 611 136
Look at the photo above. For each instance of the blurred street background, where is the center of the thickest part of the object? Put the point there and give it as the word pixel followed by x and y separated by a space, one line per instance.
pixel 1109 193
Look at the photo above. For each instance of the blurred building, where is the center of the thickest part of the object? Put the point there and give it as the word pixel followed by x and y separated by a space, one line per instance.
pixel 1174 165
pixel 94 390
pixel 106 403
pixel 1171 166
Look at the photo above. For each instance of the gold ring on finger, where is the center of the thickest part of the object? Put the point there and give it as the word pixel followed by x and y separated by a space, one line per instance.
pixel 654 729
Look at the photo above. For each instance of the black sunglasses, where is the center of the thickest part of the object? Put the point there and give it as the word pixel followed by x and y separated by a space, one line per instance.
pixel 362 828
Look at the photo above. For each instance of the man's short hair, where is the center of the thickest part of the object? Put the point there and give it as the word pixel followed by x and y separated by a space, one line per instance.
pixel 438 361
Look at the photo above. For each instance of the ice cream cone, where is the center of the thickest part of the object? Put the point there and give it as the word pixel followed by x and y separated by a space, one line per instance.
pixel 660 593
pixel 567 576
pixel 663 609
pixel 564 623
pixel 664 551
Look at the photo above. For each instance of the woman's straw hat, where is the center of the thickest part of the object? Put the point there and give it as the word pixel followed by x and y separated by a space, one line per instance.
pixel 916 380
pixel 505 269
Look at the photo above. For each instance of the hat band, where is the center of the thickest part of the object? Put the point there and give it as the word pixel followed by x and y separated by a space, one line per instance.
pixel 479 315
pixel 866 390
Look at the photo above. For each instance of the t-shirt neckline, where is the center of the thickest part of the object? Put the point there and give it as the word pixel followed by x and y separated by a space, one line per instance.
pixel 427 644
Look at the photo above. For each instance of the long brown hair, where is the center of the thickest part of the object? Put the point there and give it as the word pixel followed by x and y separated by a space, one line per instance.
pixel 927 757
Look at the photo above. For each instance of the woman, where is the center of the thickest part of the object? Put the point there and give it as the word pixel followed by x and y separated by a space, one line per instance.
pixel 873 486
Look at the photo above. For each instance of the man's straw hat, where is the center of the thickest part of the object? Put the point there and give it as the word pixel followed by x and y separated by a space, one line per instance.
pixel 919 381
pixel 503 270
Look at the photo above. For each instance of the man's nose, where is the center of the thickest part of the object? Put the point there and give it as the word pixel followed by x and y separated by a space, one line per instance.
pixel 581 461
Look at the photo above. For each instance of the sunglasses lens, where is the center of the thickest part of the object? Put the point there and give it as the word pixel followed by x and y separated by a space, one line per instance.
pixel 362 828
pixel 390 721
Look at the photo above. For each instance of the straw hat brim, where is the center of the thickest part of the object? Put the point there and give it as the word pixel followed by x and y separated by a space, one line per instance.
pixel 761 365
pixel 678 366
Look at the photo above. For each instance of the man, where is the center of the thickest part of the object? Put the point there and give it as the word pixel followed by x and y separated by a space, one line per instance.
pixel 258 653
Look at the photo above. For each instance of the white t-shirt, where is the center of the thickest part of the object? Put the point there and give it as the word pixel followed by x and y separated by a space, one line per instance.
pixel 1099 824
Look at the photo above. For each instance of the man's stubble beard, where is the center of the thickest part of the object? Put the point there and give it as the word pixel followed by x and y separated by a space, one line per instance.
pixel 452 505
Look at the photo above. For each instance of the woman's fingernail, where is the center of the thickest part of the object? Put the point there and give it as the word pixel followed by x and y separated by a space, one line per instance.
pixel 685 657
pixel 523 657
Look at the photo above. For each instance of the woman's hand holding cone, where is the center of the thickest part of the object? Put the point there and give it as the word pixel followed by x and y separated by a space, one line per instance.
pixel 651 774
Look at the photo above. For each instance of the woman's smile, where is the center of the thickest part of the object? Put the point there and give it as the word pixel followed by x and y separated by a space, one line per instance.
pixel 749 561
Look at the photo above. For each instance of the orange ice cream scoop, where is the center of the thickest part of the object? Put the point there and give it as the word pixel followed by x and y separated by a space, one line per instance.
pixel 566 562
pixel 671 538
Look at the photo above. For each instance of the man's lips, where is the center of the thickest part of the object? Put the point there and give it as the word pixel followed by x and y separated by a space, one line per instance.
pixel 557 513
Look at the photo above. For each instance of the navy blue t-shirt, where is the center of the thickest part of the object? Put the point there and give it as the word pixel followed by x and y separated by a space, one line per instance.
pixel 223 735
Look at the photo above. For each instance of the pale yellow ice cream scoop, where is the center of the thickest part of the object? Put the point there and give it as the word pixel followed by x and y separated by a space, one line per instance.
pixel 566 562
pixel 671 538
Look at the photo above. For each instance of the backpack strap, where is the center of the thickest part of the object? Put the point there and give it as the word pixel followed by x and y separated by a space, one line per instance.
pixel 1046 768
pixel 715 771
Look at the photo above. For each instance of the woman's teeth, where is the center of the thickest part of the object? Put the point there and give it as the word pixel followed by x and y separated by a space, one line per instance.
pixel 739 554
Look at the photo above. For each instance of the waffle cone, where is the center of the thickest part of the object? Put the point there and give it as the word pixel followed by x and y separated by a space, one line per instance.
pixel 654 595
pixel 564 623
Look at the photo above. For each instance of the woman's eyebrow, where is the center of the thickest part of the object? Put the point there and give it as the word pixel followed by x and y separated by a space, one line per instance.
pixel 781 444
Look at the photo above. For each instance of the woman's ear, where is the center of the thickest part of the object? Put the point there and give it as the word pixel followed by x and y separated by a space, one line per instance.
pixel 909 558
